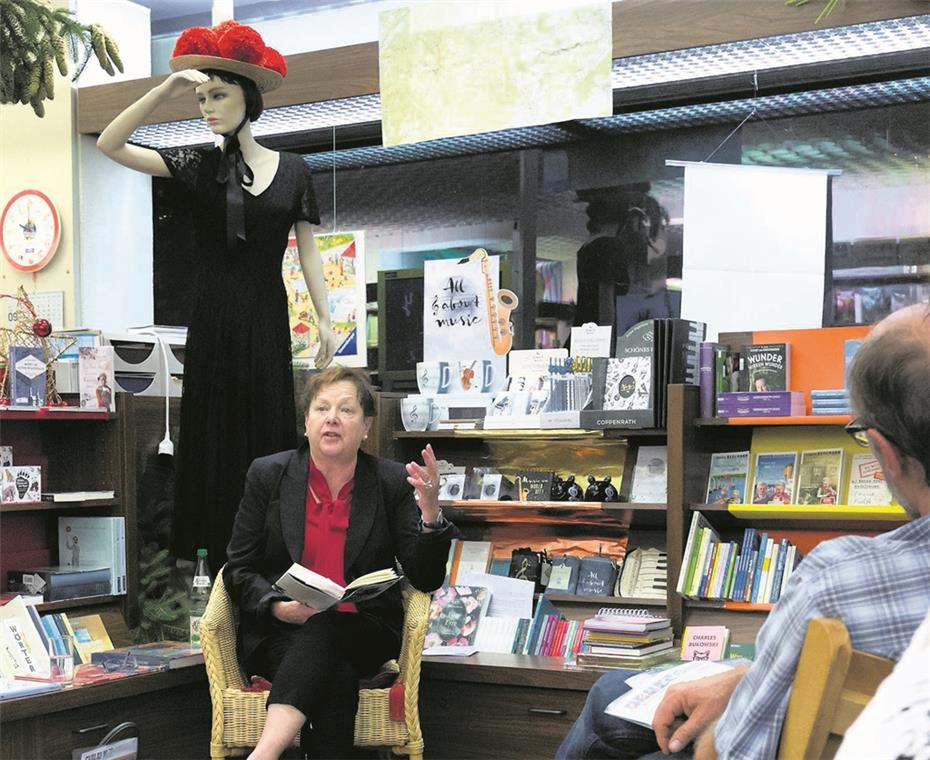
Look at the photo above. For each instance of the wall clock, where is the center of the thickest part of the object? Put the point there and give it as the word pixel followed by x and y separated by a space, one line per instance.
pixel 29 230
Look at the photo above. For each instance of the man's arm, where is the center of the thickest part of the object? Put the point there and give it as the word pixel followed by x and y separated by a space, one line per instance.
pixel 688 708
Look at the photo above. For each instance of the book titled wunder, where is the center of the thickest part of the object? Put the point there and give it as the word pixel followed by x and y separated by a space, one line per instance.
pixel 314 590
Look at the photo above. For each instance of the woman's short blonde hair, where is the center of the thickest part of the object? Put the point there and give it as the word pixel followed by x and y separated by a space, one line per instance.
pixel 330 375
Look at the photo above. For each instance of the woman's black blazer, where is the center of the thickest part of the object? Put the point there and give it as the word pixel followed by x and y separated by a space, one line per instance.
pixel 268 536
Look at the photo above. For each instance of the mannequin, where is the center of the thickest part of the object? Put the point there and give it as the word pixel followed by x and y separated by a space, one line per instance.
pixel 238 384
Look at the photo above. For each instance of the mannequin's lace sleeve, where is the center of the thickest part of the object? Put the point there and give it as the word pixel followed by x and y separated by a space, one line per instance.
pixel 307 208
pixel 184 164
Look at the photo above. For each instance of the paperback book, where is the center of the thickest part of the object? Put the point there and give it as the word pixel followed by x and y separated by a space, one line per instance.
pixel 820 473
pixel 28 376
pixel 767 367
pixel 704 642
pixel 773 477
pixel 726 482
pixel 165 654
pixel 454 615
pixel 321 593
pixel 96 377
pixel 95 542
pixel 867 484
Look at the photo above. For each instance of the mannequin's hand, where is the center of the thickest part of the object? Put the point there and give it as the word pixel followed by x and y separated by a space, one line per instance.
pixel 181 82
pixel 327 347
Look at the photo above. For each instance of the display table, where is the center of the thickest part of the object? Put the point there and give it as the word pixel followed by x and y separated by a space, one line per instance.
pixel 171 709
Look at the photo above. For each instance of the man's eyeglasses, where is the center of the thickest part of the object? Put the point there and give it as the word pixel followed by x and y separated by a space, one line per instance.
pixel 858 432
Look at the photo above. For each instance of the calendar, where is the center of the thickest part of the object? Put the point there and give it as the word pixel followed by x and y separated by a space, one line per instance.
pixel 48 305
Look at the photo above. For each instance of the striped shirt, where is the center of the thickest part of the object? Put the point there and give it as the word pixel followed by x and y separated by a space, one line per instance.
pixel 879 587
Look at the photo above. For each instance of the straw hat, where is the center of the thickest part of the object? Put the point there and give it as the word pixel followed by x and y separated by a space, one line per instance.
pixel 230 46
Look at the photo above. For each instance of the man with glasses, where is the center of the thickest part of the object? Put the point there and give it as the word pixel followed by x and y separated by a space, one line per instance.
pixel 879 587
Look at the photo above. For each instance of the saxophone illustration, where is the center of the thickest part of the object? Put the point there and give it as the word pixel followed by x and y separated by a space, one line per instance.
pixel 499 303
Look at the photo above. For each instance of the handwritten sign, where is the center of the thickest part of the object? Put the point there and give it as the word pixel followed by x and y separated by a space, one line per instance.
pixel 457 302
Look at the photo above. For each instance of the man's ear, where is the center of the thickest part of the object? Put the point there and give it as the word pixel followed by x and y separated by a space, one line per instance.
pixel 891 459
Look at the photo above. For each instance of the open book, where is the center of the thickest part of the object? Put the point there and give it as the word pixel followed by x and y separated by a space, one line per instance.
pixel 321 593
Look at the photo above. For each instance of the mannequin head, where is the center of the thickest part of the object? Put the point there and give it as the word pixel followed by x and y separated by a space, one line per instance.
pixel 226 99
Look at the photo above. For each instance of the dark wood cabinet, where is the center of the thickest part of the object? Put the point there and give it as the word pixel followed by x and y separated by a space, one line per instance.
pixel 171 710
pixel 499 706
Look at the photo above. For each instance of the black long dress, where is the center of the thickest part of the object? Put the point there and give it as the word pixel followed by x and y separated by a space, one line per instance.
pixel 238 400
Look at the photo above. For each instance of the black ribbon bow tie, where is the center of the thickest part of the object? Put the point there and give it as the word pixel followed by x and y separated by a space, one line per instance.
pixel 236 174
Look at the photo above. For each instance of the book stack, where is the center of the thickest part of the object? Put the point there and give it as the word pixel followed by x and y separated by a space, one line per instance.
pixel 619 637
pixel 830 402
pixel 169 655
pixel 761 404
pixel 756 571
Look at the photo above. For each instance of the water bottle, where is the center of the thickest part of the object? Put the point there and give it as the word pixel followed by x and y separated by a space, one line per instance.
pixel 200 594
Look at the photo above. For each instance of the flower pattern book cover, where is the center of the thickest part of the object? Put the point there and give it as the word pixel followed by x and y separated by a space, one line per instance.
pixel 454 615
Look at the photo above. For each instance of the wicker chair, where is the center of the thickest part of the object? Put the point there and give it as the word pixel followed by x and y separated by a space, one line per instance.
pixel 238 716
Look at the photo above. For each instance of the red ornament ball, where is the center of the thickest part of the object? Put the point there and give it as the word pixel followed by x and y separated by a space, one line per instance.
pixel 42 328
pixel 241 43
pixel 198 40
pixel 275 61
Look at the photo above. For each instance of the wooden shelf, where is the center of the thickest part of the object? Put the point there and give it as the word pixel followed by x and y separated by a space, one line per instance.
pixel 515 512
pixel 83 601
pixel 808 419
pixel 532 433
pixel 718 604
pixel 83 696
pixel 604 601
pixel 509 669
pixel 51 413
pixel 801 517
pixel 57 506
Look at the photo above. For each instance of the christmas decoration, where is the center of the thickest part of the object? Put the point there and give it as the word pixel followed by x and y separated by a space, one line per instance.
pixel 35 38
pixel 30 330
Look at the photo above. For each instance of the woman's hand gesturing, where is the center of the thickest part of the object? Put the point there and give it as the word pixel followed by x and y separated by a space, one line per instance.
pixel 181 82
pixel 425 481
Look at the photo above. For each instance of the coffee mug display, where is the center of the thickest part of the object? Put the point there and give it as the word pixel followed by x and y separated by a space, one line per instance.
pixel 419 413
pixel 475 377
pixel 434 377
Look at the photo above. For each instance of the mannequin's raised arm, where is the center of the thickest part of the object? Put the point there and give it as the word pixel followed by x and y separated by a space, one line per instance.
pixel 112 141
pixel 311 264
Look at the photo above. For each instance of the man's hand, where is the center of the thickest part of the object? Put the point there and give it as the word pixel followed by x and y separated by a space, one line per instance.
pixel 688 708
pixel 292 612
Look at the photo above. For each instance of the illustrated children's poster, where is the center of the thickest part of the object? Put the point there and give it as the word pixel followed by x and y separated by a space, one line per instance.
pixel 96 377
pixel 343 256
pixel 465 314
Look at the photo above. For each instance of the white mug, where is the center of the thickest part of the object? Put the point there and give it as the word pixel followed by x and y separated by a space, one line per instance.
pixel 434 377
pixel 419 413
pixel 475 376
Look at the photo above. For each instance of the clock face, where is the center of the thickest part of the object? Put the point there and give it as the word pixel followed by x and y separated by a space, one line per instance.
pixel 30 230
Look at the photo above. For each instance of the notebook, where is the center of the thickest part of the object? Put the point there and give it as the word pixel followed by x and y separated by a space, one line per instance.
pixel 627 620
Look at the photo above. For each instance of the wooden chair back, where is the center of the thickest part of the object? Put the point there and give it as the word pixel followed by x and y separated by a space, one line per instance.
pixel 833 683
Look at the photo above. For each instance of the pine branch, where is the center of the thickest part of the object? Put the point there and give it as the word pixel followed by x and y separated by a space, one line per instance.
pixel 35 39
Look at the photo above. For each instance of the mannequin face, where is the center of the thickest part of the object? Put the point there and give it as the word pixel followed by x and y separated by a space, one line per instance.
pixel 222 105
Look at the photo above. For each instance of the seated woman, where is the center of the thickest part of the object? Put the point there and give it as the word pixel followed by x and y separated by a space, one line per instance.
pixel 341 513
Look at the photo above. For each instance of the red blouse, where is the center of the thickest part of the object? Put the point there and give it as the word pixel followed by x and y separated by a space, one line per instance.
pixel 325 524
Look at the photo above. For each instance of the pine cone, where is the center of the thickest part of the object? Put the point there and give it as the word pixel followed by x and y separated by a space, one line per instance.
pixel 48 78
pixel 61 56
pixel 113 51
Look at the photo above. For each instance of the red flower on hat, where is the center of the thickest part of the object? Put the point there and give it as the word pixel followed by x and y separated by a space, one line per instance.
pixel 198 40
pixel 239 42
pixel 275 61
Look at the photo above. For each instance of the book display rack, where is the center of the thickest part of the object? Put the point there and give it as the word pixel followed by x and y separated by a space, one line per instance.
pixel 93 452
pixel 544 688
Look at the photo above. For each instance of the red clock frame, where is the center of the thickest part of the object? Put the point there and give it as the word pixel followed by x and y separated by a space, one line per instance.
pixel 56 238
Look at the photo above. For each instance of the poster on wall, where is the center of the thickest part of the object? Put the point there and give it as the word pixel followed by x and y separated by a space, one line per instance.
pixel 551 62
pixel 343 255
pixel 465 314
